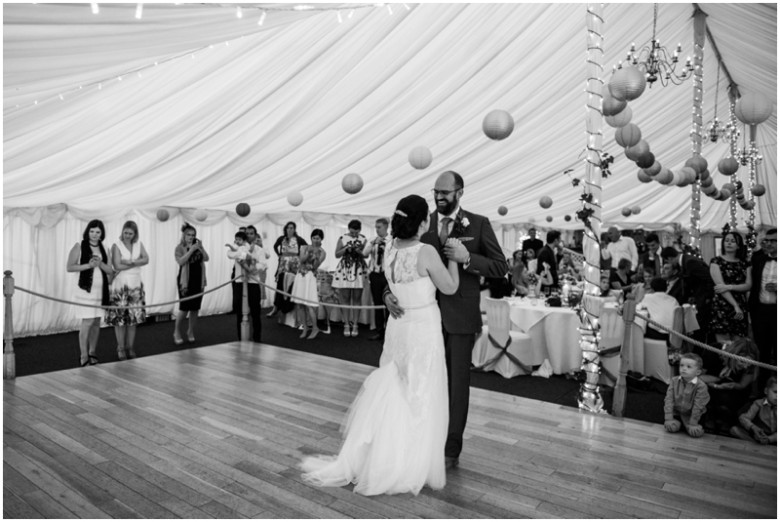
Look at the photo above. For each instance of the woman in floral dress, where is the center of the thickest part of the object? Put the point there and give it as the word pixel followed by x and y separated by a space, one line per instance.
pixel 731 273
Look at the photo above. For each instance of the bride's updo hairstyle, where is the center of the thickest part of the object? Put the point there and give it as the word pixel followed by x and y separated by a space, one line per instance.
pixel 410 212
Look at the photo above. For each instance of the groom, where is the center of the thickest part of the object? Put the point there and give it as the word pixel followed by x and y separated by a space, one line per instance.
pixel 478 254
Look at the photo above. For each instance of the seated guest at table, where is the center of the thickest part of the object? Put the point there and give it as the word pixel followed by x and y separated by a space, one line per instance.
pixel 620 279
pixel 647 277
pixel 661 308
pixel 759 421
pixel 547 256
pixel 520 281
pixel 605 285
pixel 686 398
pixel 730 388
pixel 670 272
pixel 568 267
pixel 529 256
pixel 545 285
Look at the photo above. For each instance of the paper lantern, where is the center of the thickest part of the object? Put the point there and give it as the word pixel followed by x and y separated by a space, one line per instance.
pixel 498 124
pixel 730 187
pixel 626 211
pixel 758 190
pixel 201 215
pixel 728 166
pixel 243 209
pixel 706 182
pixel 628 135
pixel 420 157
pixel 665 177
pixel 163 214
pixel 620 119
pixel 645 160
pixel 705 174
pixel 295 198
pixel 697 163
pixel 545 202
pixel 709 190
pixel 633 152
pixel 653 170
pixel 627 83
pixel 643 177
pixel 753 108
pixel 636 209
pixel 549 218
pixel 738 185
pixel 502 210
pixel 689 174
pixel 611 106
pixel 724 194
pixel 567 217
pixel 750 205
pixel 352 183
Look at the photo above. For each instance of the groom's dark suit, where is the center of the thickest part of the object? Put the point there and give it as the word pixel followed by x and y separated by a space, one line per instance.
pixel 461 318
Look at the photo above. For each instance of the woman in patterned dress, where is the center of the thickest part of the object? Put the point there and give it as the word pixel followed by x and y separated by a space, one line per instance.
pixel 288 248
pixel 191 258
pixel 304 291
pixel 349 274
pixel 127 257
pixel 731 273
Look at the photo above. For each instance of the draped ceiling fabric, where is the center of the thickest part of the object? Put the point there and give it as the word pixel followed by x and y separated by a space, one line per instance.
pixel 190 107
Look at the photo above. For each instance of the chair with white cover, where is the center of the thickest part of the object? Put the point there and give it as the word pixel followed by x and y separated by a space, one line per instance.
pixel 505 351
pixel 657 352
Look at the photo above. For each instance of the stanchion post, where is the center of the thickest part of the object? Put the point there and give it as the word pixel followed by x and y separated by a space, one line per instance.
pixel 245 305
pixel 9 357
pixel 619 400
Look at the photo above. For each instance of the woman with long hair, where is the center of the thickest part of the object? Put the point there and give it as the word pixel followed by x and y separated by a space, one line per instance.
pixel 304 291
pixel 191 258
pixel 90 260
pixel 127 257
pixel 730 272
pixel 288 248
pixel 350 273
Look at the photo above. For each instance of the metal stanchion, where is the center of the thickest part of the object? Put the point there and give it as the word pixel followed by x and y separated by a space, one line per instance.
pixel 9 357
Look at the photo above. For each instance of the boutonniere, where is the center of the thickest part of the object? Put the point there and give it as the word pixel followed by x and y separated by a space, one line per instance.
pixel 461 223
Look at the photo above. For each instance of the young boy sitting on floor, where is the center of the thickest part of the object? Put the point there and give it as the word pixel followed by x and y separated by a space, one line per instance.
pixel 759 422
pixel 687 397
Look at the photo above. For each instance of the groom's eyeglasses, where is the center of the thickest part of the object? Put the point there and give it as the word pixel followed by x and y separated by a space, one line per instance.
pixel 437 192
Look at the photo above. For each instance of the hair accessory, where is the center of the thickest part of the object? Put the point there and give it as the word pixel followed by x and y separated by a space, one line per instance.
pixel 401 213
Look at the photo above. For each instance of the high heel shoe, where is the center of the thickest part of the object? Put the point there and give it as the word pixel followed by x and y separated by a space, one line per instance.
pixel 313 334
pixel 131 353
pixel 93 360
pixel 177 340
pixel 191 337
pixel 120 352
pixel 304 333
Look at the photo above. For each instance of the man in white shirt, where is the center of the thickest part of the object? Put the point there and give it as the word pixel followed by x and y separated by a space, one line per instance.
pixel 621 247
pixel 375 250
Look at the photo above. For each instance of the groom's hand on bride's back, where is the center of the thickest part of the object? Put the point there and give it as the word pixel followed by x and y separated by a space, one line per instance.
pixel 391 302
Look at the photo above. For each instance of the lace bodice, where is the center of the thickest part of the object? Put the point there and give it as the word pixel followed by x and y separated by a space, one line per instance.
pixel 401 264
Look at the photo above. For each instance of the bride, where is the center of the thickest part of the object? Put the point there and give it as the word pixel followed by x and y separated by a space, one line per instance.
pixel 396 428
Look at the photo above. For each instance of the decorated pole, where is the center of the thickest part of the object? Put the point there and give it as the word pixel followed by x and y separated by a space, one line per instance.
pixel 699 34
pixel 754 159
pixel 9 357
pixel 589 397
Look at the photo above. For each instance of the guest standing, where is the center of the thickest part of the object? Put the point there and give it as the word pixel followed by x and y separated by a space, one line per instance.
pixel 547 256
pixel 651 258
pixel 90 259
pixel 127 289
pixel 192 258
pixel 253 238
pixel 375 251
pixel 350 271
pixel 304 291
pixel 763 300
pixel 621 247
pixel 731 274
pixel 247 259
pixel 288 248
pixel 532 243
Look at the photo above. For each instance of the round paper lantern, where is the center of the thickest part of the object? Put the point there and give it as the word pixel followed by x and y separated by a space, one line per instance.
pixel 728 166
pixel 758 190
pixel 611 106
pixel 738 185
pixel 653 170
pixel 620 119
pixel 725 193
pixel 645 160
pixel 753 108
pixel 709 190
pixel 498 124
pixel 549 218
pixel 628 135
pixel 706 182
pixel 420 157
pixel 163 214
pixel 750 205
pixel 633 152
pixel 502 210
pixel 626 211
pixel 545 202
pixel 352 183
pixel 705 174
pixel 689 174
pixel 567 217
pixel 697 163
pixel 201 215
pixel 664 177
pixel 729 186
pixel 636 209
pixel 243 209
pixel 643 177
pixel 628 83
pixel 295 198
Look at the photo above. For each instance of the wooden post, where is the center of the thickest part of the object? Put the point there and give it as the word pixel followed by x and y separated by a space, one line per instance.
pixel 619 400
pixel 9 357
pixel 245 306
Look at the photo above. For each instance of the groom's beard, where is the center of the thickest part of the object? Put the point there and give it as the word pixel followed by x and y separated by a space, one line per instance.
pixel 445 207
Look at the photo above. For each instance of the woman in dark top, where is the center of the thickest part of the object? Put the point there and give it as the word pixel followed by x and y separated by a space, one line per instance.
pixel 288 248
pixel 191 257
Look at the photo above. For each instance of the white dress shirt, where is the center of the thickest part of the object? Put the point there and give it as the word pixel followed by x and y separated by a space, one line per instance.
pixel 623 248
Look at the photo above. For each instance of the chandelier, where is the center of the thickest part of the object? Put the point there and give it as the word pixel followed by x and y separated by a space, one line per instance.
pixel 729 132
pixel 657 62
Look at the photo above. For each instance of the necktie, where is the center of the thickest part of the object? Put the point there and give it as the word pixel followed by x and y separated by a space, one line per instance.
pixel 444 233
pixel 380 254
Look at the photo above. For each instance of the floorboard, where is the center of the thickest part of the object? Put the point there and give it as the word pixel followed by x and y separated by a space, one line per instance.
pixel 218 432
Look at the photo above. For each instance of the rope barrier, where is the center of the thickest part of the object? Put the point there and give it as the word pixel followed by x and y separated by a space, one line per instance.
pixel 705 346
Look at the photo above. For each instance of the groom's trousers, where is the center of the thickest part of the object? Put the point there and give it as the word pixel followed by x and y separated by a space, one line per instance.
pixel 457 350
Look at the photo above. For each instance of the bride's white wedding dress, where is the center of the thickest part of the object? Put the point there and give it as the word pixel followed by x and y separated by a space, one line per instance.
pixel 396 428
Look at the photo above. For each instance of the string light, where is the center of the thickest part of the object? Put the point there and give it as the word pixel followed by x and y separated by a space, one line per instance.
pixel 338 13
pixel 389 9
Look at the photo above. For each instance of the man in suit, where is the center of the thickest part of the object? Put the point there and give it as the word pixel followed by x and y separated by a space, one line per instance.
pixel 763 301
pixel 670 272
pixel 478 253
pixel 651 258
pixel 375 250
pixel 547 255
pixel 533 242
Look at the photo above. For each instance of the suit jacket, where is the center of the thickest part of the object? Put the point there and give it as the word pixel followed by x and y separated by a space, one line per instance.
pixel 460 311
pixel 677 291
pixel 645 261
pixel 546 255
pixel 697 285
pixel 757 263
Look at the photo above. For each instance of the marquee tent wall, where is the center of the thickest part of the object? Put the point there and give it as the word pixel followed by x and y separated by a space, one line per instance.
pixel 192 108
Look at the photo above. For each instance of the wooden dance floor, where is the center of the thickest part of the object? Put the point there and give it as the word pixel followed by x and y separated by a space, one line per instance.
pixel 218 432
